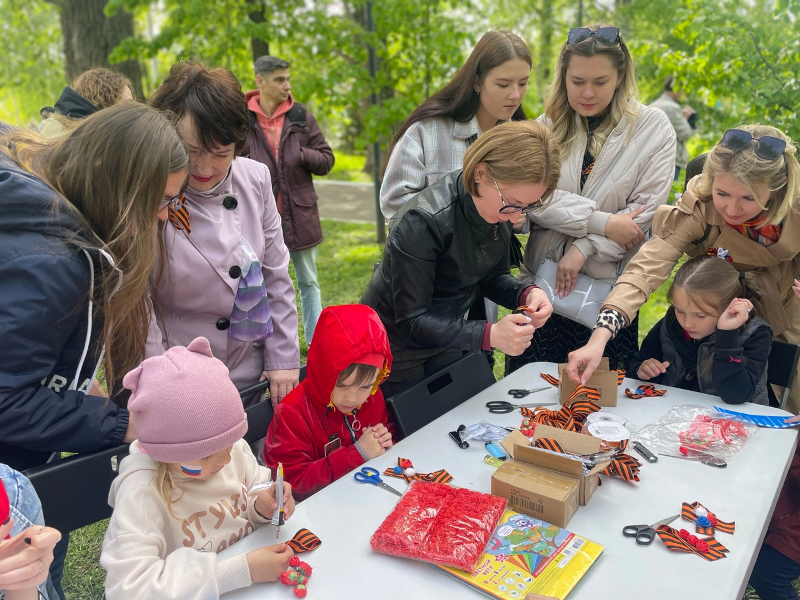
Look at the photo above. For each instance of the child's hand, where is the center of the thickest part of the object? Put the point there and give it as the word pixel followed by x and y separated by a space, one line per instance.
pixel 796 289
pixel 383 435
pixel 651 368
pixel 736 314
pixel 266 564
pixel 370 444
pixel 267 503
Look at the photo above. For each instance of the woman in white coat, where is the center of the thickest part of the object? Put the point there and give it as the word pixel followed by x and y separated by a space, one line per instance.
pixel 617 155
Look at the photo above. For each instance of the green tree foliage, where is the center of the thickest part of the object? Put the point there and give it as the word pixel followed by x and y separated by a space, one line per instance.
pixel 739 60
pixel 32 70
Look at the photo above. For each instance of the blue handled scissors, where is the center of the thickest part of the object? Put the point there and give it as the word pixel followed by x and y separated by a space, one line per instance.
pixel 370 475
pixel 645 534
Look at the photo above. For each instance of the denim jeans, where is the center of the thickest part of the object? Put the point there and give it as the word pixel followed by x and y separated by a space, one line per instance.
pixel 773 575
pixel 305 270
pixel 26 511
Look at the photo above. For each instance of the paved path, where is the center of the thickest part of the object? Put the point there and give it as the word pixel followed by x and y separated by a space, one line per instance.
pixel 346 200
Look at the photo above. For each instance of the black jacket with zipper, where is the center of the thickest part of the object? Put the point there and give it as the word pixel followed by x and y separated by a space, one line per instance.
pixel 439 256
pixel 50 330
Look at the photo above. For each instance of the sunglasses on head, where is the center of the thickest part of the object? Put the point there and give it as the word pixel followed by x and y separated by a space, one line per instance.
pixel 767 147
pixel 607 36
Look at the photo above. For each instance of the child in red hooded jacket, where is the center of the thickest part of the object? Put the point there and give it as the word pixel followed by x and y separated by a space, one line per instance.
pixel 336 419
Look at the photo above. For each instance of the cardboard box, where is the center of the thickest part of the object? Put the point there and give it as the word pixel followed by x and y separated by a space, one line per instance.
pixel 537 492
pixel 535 480
pixel 602 379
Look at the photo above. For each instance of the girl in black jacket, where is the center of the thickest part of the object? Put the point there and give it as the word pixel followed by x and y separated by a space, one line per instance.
pixel 710 340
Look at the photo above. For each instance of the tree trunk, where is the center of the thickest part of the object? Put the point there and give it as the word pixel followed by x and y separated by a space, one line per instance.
pixel 89 37
pixel 256 14
pixel 546 60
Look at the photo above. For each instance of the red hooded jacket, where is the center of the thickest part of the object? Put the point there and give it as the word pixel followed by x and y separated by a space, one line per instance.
pixel 304 423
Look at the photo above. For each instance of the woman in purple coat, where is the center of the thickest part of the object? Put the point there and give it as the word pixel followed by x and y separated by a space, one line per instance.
pixel 225 275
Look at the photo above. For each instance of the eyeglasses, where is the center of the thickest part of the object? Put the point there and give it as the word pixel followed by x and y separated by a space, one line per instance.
pixel 512 208
pixel 607 36
pixel 767 147
pixel 175 203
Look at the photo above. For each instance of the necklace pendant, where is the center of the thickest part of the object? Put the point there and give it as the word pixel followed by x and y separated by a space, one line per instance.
pixel 495 230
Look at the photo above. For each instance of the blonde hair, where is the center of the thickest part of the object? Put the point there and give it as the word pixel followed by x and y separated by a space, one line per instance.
pixel 781 176
pixel 562 115
pixel 165 486
pixel 110 173
pixel 102 87
pixel 515 152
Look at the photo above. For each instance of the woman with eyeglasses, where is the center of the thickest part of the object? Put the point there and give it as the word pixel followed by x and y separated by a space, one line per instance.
pixel 450 243
pixel 225 276
pixel 617 155
pixel 747 200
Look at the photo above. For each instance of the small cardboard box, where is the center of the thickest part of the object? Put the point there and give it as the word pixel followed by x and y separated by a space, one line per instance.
pixel 521 451
pixel 602 379
pixel 537 492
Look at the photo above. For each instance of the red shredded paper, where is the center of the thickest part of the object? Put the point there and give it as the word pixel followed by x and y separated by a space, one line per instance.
pixel 440 524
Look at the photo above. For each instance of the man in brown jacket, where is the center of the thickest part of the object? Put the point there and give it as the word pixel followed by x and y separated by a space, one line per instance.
pixel 286 138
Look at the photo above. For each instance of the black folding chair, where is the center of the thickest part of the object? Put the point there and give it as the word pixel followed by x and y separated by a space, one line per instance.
pixel 432 397
pixel 259 416
pixel 74 490
pixel 695 167
pixel 782 366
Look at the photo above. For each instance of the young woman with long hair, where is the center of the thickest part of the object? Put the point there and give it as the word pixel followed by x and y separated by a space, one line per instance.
pixel 618 161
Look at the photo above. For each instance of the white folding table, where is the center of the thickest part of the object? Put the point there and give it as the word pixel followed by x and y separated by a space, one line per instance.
pixel 345 514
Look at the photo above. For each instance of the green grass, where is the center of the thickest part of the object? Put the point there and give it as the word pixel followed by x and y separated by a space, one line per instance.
pixel 349 167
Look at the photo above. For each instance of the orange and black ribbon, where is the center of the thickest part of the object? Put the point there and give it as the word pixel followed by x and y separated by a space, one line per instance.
pixel 688 513
pixel 440 476
pixel 548 444
pixel 673 541
pixel 644 391
pixel 554 380
pixel 570 417
pixel 623 466
pixel 304 541
pixel 550 379
pixel 180 218
pixel 591 393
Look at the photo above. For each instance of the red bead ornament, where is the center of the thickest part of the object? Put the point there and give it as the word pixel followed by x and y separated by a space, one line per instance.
pixel 692 539
pixel 297 575
pixel 406 464
pixel 440 524
pixel 683 450
pixel 684 534
pixel 701 546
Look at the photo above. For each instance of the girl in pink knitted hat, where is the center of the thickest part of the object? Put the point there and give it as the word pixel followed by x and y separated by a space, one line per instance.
pixel 186 492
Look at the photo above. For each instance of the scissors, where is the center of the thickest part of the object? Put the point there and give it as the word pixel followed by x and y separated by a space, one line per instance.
pixel 370 475
pixel 501 406
pixel 645 534
pixel 522 393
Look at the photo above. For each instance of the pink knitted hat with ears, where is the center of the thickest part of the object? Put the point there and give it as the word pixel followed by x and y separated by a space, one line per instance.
pixel 184 405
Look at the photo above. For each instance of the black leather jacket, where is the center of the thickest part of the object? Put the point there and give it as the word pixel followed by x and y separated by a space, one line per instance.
pixel 440 254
